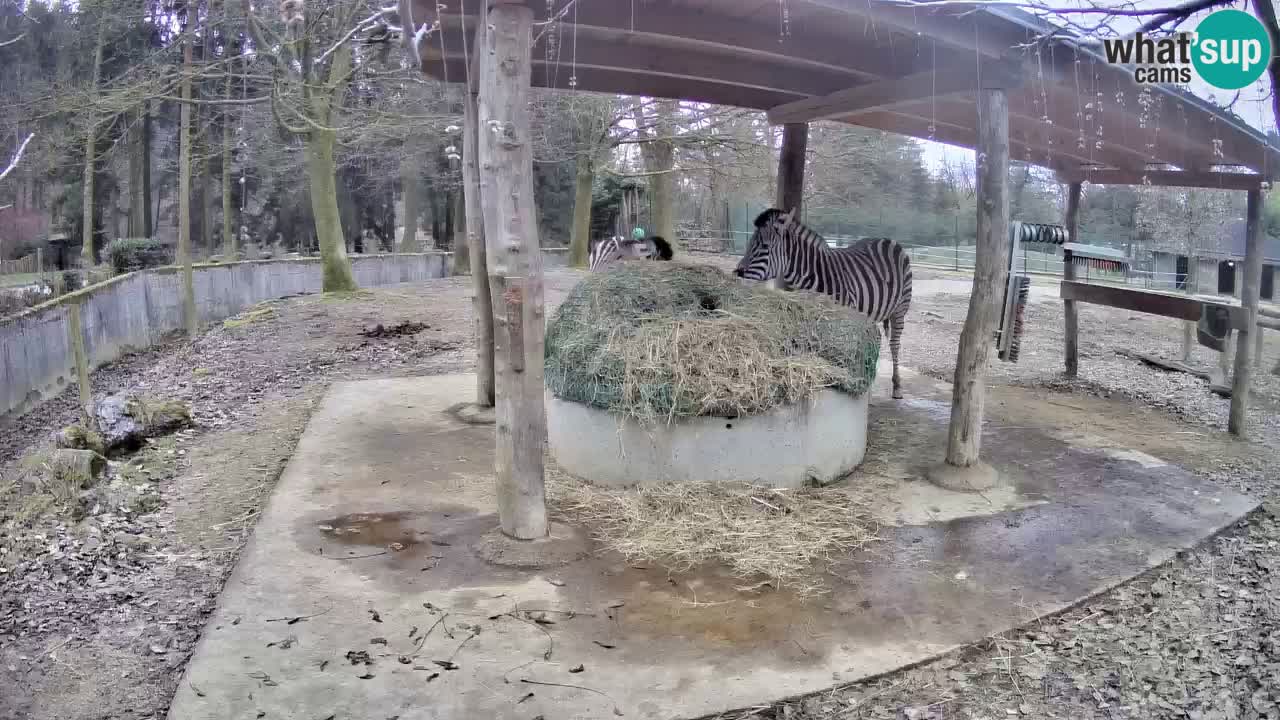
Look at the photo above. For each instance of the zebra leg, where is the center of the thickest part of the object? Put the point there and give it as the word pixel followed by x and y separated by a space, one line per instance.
pixel 893 328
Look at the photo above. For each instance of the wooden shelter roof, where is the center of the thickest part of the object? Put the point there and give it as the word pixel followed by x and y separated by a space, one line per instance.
pixel 878 64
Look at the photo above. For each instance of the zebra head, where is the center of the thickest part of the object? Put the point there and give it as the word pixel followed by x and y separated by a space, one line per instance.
pixel 650 248
pixel 765 255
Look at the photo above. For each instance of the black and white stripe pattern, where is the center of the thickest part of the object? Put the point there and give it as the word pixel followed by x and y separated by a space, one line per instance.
pixel 614 249
pixel 873 275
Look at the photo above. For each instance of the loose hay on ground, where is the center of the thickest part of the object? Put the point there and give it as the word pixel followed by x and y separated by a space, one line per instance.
pixel 656 341
pixel 785 537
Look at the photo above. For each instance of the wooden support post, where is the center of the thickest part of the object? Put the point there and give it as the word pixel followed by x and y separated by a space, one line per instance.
pixel 514 264
pixel 1257 352
pixel 1236 423
pixel 481 302
pixel 75 336
pixel 795 142
pixel 1072 360
pixel 964 436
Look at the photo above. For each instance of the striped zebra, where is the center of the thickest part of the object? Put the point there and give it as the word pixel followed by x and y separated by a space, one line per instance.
pixel 873 275
pixel 607 252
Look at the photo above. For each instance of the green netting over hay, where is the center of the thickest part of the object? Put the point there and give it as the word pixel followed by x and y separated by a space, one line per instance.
pixel 662 340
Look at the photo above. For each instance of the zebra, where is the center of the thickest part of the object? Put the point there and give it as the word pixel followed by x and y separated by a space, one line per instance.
pixel 873 275
pixel 607 252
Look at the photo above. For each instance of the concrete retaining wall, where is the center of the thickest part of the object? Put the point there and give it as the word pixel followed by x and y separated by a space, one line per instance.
pixel 819 442
pixel 137 309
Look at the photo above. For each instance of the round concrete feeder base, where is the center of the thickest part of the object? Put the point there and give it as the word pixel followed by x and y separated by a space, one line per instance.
pixel 816 442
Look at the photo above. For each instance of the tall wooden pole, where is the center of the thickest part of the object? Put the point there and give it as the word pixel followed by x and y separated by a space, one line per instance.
pixel 481 302
pixel 1243 376
pixel 514 266
pixel 795 142
pixel 1069 273
pixel 964 436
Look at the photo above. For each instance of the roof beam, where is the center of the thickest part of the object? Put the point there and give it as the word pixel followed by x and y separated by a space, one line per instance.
pixel 896 91
pixel 953 132
pixel 955 26
pixel 683 28
pixel 614 81
pixel 1168 178
pixel 1025 123
pixel 637 55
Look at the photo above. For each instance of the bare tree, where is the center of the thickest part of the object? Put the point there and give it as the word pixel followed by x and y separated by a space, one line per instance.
pixel 319 81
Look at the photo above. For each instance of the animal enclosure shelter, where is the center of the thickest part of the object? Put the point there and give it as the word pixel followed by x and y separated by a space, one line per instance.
pixel 973 529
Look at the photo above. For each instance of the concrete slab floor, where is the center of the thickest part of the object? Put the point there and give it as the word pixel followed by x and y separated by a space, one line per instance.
pixel 368 535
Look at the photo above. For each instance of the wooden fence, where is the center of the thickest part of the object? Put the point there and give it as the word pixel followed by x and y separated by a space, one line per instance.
pixel 23 265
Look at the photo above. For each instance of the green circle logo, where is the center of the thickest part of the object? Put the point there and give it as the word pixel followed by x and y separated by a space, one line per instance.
pixel 1232 49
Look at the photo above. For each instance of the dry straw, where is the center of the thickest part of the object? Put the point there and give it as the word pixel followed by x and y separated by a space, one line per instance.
pixel 784 537
pixel 657 341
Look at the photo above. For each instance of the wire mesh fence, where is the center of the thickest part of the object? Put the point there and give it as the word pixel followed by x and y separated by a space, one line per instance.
pixel 963 257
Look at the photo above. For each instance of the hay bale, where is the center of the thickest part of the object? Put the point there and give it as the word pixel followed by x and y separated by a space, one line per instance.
pixel 656 341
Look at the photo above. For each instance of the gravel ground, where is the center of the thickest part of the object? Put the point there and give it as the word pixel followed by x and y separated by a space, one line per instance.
pixel 98 617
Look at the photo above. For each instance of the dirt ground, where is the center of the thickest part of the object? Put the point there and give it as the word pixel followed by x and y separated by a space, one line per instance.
pixel 98 617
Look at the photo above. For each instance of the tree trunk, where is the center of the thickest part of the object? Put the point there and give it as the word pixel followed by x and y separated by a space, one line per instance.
pixel 964 438
pixel 437 213
pixel 795 142
pixel 322 174
pixel 203 116
pixel 184 195
pixel 447 199
pixel 91 152
pixel 580 234
pixel 147 223
pixel 1189 328
pixel 228 219
pixel 1242 377
pixel 461 250
pixel 481 301
pixel 1069 309
pixel 411 185
pixel 137 212
pixel 659 155
pixel 206 202
pixel 515 274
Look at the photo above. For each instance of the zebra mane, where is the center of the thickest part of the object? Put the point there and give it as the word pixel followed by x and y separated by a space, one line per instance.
pixel 801 232
pixel 768 216
pixel 664 248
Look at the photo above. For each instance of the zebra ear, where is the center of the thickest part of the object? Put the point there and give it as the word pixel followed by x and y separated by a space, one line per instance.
pixel 788 217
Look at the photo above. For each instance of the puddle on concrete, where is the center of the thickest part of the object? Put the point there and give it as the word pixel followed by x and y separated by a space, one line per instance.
pixel 395 531
pixel 705 608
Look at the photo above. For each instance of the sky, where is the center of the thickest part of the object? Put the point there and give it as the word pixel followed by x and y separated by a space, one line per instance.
pixel 1254 105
